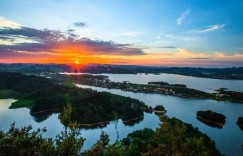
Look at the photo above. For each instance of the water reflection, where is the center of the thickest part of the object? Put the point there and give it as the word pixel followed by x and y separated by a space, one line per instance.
pixel 210 124
pixel 22 117
pixel 132 122
pixel 42 117
pixel 228 139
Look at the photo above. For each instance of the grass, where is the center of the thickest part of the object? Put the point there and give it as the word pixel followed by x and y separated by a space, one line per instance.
pixel 22 103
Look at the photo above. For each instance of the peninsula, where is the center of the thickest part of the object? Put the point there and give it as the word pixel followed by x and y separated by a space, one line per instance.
pixel 88 107
pixel 163 88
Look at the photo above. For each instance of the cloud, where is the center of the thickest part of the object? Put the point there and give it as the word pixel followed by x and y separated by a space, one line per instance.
pixel 70 30
pixel 185 54
pixel 32 34
pixel 223 56
pixel 185 57
pixel 6 23
pixel 24 40
pixel 13 40
pixel 79 24
pixel 212 28
pixel 183 16
pixel 133 34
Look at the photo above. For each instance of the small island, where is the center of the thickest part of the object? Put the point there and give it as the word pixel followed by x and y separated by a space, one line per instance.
pixel 159 109
pixel 211 118
pixel 240 122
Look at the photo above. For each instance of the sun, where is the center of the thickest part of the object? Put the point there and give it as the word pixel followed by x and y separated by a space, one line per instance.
pixel 76 66
pixel 76 62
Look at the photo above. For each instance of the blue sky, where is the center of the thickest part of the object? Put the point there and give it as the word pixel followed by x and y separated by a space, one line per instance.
pixel 203 27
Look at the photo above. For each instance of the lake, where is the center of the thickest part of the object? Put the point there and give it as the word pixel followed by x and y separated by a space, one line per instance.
pixel 228 139
pixel 22 117
pixel 203 84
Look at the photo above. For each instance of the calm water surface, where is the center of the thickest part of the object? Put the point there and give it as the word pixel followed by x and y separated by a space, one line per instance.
pixel 204 84
pixel 22 117
pixel 228 139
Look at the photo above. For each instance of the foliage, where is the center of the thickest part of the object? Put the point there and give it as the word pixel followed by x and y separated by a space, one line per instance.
pixel 42 95
pixel 159 108
pixel 26 142
pixel 51 102
pixel 69 142
pixel 173 138
pixel 22 103
pixel 177 138
pixel 65 115
pixel 224 94
pixel 161 83
pixel 100 107
pixel 21 141
pixel 212 116
pixel 137 141
pixel 115 149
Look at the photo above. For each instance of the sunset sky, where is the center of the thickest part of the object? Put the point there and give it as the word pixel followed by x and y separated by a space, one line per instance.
pixel 206 33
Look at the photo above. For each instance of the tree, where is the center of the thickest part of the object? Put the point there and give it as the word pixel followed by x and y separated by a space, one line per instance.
pixel 69 142
pixel 23 142
pixel 66 115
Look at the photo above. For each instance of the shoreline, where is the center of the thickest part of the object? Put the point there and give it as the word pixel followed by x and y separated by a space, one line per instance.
pixel 211 122
pixel 105 122
pixel 159 93
pixel 45 111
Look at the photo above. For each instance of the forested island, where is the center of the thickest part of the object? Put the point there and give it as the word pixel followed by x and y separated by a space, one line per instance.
pixel 161 87
pixel 211 118
pixel 87 107
pixel 159 109
pixel 173 137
